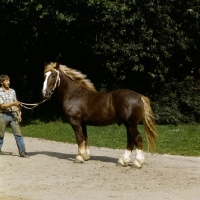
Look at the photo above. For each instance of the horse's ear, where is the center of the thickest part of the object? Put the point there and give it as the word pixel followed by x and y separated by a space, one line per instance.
pixel 57 65
pixel 45 64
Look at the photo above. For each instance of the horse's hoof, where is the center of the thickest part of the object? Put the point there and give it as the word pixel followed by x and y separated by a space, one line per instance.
pixel 87 157
pixel 141 162
pixel 126 161
pixel 137 164
pixel 79 159
pixel 120 163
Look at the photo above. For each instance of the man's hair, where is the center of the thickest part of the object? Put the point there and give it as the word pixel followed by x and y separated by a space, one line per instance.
pixel 3 78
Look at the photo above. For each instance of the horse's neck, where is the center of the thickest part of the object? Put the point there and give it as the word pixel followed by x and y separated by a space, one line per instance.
pixel 68 88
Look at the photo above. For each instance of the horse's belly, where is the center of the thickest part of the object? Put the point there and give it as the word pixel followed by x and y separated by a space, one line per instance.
pixel 97 121
pixel 101 123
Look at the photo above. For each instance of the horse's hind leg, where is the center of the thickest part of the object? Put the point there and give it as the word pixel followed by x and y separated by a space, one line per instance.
pixel 133 138
pixel 139 158
pixel 125 159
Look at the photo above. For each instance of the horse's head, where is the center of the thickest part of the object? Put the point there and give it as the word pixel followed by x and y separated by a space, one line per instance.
pixel 51 79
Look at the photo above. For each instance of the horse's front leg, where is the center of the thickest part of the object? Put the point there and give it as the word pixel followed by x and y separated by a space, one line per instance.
pixel 82 153
pixel 84 130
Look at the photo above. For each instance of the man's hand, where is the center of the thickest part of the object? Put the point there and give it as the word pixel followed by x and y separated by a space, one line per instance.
pixel 19 119
pixel 16 103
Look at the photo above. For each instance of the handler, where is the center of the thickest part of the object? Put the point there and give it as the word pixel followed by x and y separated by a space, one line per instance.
pixel 10 114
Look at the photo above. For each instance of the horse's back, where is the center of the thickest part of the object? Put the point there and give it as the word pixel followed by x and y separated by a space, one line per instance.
pixel 126 94
pixel 125 97
pixel 115 99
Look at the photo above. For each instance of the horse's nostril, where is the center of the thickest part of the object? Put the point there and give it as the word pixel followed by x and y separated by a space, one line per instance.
pixel 45 94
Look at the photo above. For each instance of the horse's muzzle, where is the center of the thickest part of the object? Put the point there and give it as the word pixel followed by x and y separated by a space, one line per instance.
pixel 46 95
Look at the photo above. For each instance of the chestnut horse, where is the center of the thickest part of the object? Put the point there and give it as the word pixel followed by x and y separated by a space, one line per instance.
pixel 83 105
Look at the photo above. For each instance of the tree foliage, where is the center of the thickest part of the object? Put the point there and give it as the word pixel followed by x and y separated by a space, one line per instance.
pixel 177 103
pixel 143 45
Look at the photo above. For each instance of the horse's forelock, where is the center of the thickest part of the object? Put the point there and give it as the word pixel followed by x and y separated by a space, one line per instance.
pixel 50 67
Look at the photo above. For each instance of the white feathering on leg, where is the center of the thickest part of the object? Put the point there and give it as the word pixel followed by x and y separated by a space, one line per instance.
pixel 126 157
pixel 79 159
pixel 139 158
pixel 87 154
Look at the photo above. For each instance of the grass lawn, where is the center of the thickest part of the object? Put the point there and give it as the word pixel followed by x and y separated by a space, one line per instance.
pixel 175 140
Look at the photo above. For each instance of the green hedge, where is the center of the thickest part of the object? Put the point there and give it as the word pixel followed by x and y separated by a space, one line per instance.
pixel 178 102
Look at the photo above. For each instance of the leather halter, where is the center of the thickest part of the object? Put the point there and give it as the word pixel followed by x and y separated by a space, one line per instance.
pixel 57 82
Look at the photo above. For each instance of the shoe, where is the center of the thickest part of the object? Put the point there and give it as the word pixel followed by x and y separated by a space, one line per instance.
pixel 24 155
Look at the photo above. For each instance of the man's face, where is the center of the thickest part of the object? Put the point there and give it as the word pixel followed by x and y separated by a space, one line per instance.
pixel 6 83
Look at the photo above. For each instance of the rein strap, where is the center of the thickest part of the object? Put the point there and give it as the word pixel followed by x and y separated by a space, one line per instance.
pixel 32 105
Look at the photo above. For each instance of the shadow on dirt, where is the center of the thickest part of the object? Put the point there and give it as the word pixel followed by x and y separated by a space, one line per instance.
pixel 71 157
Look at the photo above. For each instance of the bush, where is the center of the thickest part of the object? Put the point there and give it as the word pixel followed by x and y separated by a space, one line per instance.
pixel 177 103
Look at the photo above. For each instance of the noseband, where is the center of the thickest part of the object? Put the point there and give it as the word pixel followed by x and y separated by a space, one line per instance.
pixel 57 83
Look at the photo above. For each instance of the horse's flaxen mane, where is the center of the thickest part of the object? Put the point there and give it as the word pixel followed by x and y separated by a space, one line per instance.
pixel 72 74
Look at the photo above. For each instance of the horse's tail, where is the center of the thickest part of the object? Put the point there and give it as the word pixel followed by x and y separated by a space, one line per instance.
pixel 149 124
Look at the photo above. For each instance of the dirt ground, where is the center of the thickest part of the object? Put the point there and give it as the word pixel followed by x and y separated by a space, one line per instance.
pixel 50 174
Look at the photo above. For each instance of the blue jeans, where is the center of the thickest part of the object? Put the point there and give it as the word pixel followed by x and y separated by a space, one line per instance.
pixel 11 119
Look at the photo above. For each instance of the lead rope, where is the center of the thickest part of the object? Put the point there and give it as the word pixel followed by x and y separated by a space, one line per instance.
pixel 33 105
